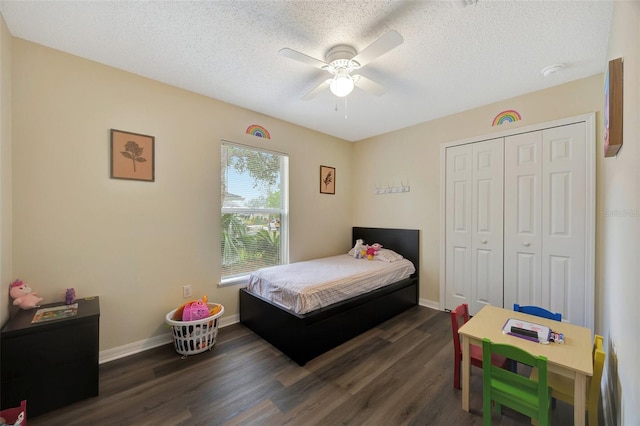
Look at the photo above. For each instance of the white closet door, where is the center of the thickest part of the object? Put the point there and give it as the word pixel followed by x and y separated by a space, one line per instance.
pixel 523 219
pixel 487 226
pixel 564 222
pixel 474 209
pixel 545 220
pixel 458 225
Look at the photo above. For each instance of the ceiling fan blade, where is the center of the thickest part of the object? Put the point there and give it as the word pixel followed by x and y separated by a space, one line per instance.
pixel 294 54
pixel 314 92
pixel 379 47
pixel 369 85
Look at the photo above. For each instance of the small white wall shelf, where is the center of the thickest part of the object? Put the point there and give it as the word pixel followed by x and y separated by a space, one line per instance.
pixel 392 190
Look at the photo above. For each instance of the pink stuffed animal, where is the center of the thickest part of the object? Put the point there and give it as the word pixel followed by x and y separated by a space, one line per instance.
pixel 372 249
pixel 23 296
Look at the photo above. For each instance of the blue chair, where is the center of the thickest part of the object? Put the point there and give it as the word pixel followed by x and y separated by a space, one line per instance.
pixel 537 311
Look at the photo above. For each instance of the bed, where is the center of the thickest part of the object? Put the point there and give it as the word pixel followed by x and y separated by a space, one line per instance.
pixel 303 337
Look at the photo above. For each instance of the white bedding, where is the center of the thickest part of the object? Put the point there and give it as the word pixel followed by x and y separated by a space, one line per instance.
pixel 306 286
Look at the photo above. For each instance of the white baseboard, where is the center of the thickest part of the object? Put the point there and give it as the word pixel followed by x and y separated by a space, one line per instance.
pixel 429 304
pixel 153 342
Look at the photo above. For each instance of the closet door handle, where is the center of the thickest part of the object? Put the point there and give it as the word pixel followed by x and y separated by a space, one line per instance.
pixel 526 244
pixel 483 241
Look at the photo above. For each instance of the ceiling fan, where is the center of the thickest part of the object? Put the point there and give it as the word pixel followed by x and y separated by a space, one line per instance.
pixel 342 60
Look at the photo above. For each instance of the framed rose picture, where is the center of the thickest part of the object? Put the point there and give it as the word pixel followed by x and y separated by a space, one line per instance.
pixel 327 180
pixel 613 108
pixel 132 156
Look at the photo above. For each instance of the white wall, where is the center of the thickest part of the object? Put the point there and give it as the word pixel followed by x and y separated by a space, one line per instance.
pixel 135 244
pixel 619 230
pixel 6 259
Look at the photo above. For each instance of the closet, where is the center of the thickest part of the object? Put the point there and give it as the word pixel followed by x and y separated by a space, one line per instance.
pixel 517 219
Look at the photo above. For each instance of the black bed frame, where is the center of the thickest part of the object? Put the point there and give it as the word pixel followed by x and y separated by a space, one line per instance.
pixel 304 337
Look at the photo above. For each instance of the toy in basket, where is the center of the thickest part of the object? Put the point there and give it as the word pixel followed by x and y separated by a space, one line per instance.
pixel 194 326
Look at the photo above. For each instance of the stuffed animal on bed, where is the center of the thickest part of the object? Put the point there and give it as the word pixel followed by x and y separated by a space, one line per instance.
pixel 23 296
pixel 372 249
pixel 359 250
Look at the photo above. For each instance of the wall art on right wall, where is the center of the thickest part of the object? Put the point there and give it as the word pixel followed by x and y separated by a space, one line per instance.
pixel 613 90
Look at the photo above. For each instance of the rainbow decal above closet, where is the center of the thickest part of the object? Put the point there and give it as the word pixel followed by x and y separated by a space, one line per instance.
pixel 258 131
pixel 508 116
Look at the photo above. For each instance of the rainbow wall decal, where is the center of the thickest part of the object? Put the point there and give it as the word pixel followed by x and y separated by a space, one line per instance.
pixel 508 116
pixel 258 131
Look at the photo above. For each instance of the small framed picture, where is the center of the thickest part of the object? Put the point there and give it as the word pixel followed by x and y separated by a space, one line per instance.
pixel 132 156
pixel 327 180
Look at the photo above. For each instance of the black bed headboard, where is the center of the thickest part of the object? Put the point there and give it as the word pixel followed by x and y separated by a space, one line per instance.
pixel 403 241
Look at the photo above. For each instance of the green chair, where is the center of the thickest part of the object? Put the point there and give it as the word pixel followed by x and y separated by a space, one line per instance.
pixel 529 397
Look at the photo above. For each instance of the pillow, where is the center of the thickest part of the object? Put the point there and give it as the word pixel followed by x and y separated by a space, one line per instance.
pixel 387 255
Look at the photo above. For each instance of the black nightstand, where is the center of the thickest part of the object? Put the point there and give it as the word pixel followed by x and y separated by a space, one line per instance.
pixel 50 364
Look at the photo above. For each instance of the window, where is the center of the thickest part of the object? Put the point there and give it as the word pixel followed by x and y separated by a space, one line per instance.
pixel 253 225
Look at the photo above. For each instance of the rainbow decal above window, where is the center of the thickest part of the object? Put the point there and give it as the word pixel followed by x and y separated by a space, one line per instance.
pixel 508 116
pixel 258 131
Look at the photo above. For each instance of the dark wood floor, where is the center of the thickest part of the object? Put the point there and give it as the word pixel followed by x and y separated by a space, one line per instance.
pixel 399 373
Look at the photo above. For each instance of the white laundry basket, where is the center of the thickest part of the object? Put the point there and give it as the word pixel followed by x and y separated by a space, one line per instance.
pixel 194 337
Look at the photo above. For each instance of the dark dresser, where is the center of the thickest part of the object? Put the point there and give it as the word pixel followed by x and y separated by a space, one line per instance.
pixel 50 364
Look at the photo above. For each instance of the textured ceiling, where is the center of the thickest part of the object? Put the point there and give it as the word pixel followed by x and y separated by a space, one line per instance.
pixel 453 58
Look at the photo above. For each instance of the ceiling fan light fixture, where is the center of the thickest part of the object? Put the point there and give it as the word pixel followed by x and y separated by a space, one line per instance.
pixel 341 60
pixel 342 83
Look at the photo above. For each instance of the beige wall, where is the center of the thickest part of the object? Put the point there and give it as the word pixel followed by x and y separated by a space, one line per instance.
pixel 412 156
pixel 134 244
pixel 6 261
pixel 619 230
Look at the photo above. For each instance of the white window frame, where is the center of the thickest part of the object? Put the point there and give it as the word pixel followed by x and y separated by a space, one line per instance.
pixel 283 211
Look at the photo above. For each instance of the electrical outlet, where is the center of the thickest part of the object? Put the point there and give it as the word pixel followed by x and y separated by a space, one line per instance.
pixel 186 290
